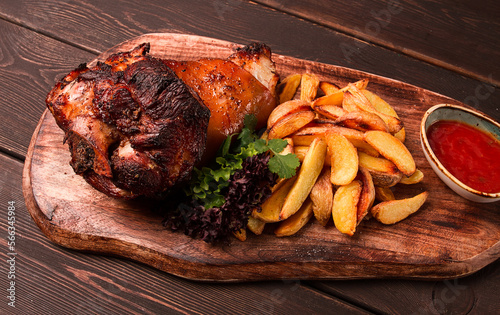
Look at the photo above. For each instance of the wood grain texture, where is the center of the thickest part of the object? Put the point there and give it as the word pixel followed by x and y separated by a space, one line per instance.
pixel 453 35
pixel 475 294
pixel 95 26
pixel 381 296
pixel 29 63
pixel 449 237
pixel 133 287
pixel 52 279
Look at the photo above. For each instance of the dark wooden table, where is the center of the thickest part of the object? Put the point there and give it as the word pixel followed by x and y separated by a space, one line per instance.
pixel 444 46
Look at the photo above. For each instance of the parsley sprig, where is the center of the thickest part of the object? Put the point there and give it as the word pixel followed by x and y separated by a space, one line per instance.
pixel 208 184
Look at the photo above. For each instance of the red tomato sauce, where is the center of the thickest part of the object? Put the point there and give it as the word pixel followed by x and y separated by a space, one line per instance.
pixel 471 155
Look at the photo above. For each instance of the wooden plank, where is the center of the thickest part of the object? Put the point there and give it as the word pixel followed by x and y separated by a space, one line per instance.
pixel 29 64
pixel 434 243
pixel 97 26
pixel 457 36
pixel 240 27
pixel 49 277
pixel 475 294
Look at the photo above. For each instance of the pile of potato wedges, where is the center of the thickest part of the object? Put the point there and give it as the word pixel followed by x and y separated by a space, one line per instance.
pixel 351 146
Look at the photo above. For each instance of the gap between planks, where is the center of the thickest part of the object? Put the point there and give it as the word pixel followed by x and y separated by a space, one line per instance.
pixel 387 45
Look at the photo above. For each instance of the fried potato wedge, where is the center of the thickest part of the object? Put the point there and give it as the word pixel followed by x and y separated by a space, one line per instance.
pixel 271 208
pixel 367 196
pixel 306 177
pixel 379 104
pixel 329 111
pixel 304 139
pixel 278 184
pixel 385 108
pixel 288 87
pixel 285 109
pixel 416 177
pixel 354 100
pixel 255 225
pixel 401 135
pixel 309 87
pixel 362 121
pixel 322 197
pixel 363 146
pixel 321 127
pixel 344 209
pixel 392 149
pixel 328 87
pixel 295 222
pixel 290 124
pixel 390 212
pixel 241 234
pixel 384 194
pixel 344 158
pixel 289 147
pixel 384 172
pixel 360 85
pixel 306 135
pixel 301 151
pixel 334 99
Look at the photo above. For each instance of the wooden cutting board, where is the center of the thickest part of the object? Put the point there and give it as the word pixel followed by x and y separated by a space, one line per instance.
pixel 449 237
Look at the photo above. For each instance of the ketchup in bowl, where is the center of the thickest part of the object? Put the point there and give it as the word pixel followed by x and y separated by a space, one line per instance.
pixel 469 154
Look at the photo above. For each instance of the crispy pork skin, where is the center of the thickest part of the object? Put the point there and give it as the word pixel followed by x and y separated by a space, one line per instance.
pixel 137 125
pixel 256 59
pixel 243 84
pixel 132 126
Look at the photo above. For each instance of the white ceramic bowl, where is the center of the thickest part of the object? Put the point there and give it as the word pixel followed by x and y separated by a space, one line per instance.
pixel 471 117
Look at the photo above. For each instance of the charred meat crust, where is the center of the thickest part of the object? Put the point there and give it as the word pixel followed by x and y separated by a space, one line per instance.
pixel 245 83
pixel 137 125
pixel 256 59
pixel 253 50
pixel 132 126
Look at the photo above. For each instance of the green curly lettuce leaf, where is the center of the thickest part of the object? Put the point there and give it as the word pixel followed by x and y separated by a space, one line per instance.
pixel 208 184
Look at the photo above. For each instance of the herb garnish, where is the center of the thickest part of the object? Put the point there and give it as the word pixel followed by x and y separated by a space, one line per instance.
pixel 222 197
pixel 208 184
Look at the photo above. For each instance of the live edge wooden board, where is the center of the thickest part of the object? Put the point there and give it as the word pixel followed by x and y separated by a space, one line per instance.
pixel 449 237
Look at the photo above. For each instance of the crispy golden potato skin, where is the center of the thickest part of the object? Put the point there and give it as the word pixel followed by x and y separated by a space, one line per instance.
pixel 392 149
pixel 384 172
pixel 306 177
pixel 344 159
pixel 367 196
pixel 271 208
pixel 255 225
pixel 351 152
pixel 293 224
pixel 291 124
pixel 322 197
pixel 285 109
pixel 393 211
pixel 345 203
pixel 309 87
pixel 288 87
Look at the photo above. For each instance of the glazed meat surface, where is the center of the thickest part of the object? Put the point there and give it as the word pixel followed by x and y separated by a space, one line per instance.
pixel 243 84
pixel 132 126
pixel 138 125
